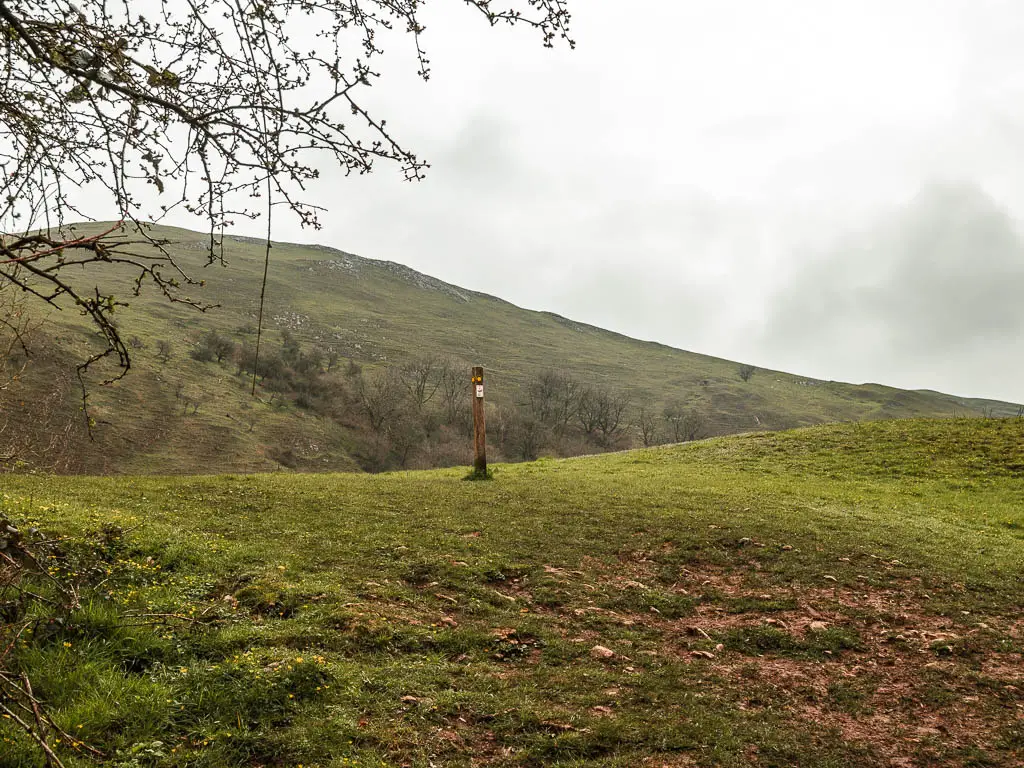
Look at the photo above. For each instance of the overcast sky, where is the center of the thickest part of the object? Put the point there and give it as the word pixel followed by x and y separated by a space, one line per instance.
pixel 827 187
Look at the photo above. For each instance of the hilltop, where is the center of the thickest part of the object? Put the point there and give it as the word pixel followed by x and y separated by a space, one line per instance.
pixel 175 414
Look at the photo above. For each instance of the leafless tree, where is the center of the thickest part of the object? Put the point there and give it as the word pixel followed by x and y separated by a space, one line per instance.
pixel 521 433
pixel 380 395
pixel 674 415
pixel 554 399
pixel 540 395
pixel 647 423
pixel 684 423
pixel 587 411
pixel 200 106
pixel 421 378
pixel 163 350
pixel 695 425
pixel 601 411
pixel 405 432
pixel 611 414
pixel 454 381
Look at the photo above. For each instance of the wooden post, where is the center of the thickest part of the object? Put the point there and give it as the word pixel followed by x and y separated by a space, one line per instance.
pixel 479 425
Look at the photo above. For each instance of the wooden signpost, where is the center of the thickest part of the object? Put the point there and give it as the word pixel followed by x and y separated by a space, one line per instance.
pixel 479 425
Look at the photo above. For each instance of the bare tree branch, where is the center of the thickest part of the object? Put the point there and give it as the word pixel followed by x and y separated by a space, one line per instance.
pixel 217 108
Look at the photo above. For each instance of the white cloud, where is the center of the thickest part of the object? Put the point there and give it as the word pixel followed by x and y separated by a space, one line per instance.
pixel 671 177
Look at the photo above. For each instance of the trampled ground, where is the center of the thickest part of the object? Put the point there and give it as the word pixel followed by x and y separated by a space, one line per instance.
pixel 838 596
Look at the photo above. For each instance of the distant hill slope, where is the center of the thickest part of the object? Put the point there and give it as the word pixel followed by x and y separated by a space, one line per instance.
pixel 187 416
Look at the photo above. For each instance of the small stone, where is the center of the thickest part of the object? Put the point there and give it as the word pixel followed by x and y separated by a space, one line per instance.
pixel 702 654
pixel 787 548
pixel 817 626
pixel 745 541
pixel 600 652
pixel 602 711
pixel 830 578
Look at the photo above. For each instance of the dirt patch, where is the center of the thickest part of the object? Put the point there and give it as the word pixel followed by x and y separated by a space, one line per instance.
pixel 919 687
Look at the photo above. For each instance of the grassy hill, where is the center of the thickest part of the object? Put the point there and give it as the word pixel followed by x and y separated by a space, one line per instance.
pixel 377 314
pixel 847 595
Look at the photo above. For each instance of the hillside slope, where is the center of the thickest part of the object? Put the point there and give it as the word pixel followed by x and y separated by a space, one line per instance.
pixel 181 415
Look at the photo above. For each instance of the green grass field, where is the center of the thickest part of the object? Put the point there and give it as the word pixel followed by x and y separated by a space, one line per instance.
pixel 845 595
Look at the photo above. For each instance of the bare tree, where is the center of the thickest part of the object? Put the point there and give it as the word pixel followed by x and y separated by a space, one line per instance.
pixel 675 415
pixel 541 393
pixel 611 420
pixel 405 432
pixel 647 423
pixel 198 106
pixel 454 387
pixel 521 433
pixel 554 398
pixel 163 350
pixel 746 371
pixel 684 423
pixel 588 410
pixel 380 397
pixel 601 411
pixel 695 425
pixel 421 378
